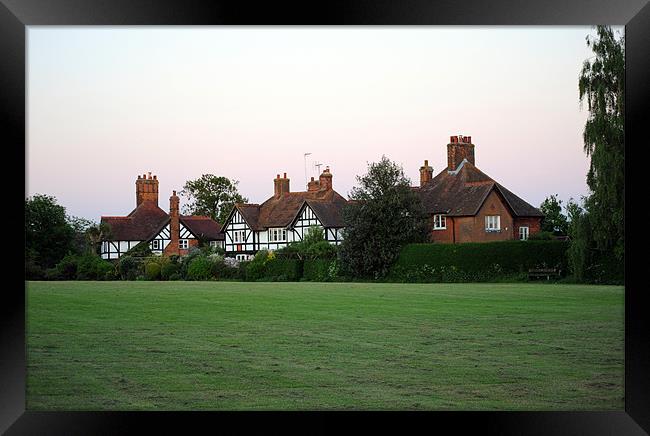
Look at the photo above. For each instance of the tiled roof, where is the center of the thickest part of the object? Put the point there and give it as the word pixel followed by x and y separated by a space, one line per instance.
pixel 463 193
pixel 145 221
pixel 140 225
pixel 203 227
pixel 280 211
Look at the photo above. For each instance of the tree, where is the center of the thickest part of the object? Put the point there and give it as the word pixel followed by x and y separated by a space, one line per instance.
pixel 48 234
pixel 211 195
pixel 312 246
pixel 554 221
pixel 95 233
pixel 597 230
pixel 602 86
pixel 383 215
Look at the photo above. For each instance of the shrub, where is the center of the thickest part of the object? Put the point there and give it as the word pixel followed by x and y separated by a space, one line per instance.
pixel 93 267
pixel 476 261
pixel 321 270
pixel 129 268
pixel 175 277
pixel 67 268
pixel 169 269
pixel 152 270
pixel 199 268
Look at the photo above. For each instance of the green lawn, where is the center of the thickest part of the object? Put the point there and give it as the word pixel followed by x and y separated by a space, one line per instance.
pixel 222 345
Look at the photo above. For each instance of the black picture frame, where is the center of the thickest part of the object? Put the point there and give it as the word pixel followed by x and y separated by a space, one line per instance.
pixel 15 15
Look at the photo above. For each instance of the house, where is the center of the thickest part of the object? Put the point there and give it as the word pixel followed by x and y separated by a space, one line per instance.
pixel 467 205
pixel 285 217
pixel 166 233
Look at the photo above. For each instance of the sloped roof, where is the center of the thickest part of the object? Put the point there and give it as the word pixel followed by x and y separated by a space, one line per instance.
pixel 202 227
pixel 141 224
pixel 145 221
pixel 463 192
pixel 280 211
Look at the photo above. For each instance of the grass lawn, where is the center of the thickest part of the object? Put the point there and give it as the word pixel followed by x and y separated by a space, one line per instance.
pixel 223 345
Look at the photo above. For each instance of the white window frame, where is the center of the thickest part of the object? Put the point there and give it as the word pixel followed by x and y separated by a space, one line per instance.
pixel 212 243
pixel 277 234
pixel 155 244
pixel 183 244
pixel 523 236
pixel 440 222
pixel 493 223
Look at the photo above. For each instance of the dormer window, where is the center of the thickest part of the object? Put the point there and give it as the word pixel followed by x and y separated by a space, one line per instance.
pixel 493 223
pixel 439 222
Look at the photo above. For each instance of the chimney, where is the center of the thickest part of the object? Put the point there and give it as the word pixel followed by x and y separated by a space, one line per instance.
pixel 280 185
pixel 312 185
pixel 174 224
pixel 146 189
pixel 426 173
pixel 459 148
pixel 325 180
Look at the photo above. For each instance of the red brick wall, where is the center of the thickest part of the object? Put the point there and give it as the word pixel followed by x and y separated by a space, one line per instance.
pixel 534 225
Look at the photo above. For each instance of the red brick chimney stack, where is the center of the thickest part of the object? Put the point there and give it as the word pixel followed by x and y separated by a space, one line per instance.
pixel 426 173
pixel 459 148
pixel 174 224
pixel 325 180
pixel 312 185
pixel 280 185
pixel 146 189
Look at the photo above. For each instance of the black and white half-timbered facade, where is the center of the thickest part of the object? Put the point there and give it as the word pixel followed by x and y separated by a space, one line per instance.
pixel 284 218
pixel 165 233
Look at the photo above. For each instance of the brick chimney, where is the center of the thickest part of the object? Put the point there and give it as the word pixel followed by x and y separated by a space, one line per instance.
pixel 174 224
pixel 146 189
pixel 313 185
pixel 280 185
pixel 325 180
pixel 426 173
pixel 459 148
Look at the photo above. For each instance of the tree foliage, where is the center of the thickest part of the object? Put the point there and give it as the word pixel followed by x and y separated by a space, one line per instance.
pixel 48 234
pixel 597 230
pixel 554 220
pixel 312 246
pixel 211 195
pixel 602 86
pixel 384 214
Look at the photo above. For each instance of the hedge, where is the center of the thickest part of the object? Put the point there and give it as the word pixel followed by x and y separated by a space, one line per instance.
pixel 320 270
pixel 477 261
pixel 278 269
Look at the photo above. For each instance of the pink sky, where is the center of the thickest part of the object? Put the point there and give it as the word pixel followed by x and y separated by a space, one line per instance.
pixel 107 103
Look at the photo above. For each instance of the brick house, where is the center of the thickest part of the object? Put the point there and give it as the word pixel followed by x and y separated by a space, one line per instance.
pixel 467 205
pixel 166 233
pixel 285 217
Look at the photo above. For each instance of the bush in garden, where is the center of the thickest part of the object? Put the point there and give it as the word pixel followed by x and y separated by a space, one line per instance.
pixel 199 268
pixel 169 269
pixel 152 270
pixel 129 268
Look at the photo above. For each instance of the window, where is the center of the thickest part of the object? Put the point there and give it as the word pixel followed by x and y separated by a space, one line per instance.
pixel 439 222
pixel 213 243
pixel 277 235
pixel 493 223
pixel 523 233
pixel 155 244
pixel 183 244
pixel 239 236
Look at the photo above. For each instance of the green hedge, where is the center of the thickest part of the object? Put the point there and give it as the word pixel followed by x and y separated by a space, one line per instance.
pixel 472 262
pixel 321 270
pixel 277 270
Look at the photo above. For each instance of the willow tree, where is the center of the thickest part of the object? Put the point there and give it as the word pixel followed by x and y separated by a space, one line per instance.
pixel 602 85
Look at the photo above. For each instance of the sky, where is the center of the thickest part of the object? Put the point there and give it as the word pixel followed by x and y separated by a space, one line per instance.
pixel 105 104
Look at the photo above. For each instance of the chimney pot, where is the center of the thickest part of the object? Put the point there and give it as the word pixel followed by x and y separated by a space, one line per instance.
pixel 285 175
pixel 426 163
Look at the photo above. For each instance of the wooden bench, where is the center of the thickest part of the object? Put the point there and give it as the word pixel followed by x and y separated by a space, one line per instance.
pixel 544 272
